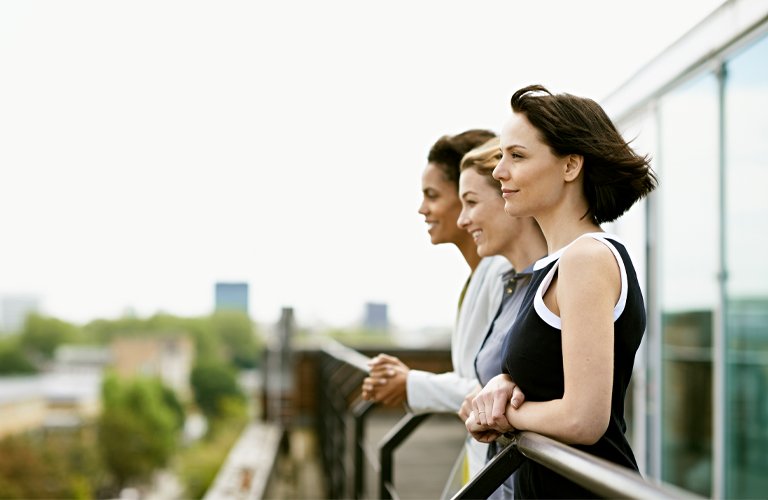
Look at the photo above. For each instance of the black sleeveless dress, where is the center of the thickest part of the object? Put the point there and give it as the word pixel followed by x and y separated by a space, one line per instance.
pixel 533 357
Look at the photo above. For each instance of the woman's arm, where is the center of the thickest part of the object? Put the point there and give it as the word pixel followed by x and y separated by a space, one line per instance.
pixel 391 382
pixel 584 296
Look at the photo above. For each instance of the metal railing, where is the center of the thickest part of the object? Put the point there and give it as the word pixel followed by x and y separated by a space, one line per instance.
pixel 341 431
pixel 337 422
pixel 604 478
pixel 340 373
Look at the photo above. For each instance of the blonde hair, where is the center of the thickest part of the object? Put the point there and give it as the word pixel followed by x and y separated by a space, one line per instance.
pixel 483 159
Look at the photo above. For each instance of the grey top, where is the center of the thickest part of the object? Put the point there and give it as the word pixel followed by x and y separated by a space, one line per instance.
pixel 488 359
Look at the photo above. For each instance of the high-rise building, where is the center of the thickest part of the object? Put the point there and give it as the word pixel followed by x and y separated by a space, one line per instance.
pixel 376 316
pixel 232 296
pixel 14 310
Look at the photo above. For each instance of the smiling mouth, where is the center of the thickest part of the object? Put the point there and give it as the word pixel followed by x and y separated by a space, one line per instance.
pixel 476 234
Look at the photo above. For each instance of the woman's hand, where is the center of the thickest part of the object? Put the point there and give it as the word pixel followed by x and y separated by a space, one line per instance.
pixel 480 432
pixel 466 405
pixel 490 404
pixel 386 382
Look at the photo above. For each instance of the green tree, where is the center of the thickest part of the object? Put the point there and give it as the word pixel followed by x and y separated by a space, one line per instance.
pixel 13 360
pixel 240 339
pixel 49 466
pixel 42 335
pixel 138 429
pixel 213 385
pixel 208 345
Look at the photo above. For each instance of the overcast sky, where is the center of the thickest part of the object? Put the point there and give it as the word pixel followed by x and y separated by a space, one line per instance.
pixel 151 148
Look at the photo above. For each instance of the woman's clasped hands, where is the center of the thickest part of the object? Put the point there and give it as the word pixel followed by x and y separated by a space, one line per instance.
pixel 487 419
pixel 387 381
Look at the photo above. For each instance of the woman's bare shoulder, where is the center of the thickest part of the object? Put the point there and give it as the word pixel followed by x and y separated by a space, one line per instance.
pixel 587 257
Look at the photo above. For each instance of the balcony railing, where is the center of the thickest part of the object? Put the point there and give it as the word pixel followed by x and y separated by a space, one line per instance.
pixel 340 416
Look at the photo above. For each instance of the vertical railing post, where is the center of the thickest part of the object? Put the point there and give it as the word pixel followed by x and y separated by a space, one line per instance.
pixel 359 412
pixel 279 372
pixel 387 447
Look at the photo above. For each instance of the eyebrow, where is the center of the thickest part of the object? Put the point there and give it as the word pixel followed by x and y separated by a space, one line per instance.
pixel 513 146
pixel 464 194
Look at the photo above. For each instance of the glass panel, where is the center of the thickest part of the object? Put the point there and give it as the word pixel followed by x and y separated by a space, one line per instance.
pixel 746 233
pixel 688 289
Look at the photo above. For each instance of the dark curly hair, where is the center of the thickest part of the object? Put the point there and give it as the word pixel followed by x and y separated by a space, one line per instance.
pixel 615 177
pixel 448 151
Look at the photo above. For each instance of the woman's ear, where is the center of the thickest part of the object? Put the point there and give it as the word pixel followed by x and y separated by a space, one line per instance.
pixel 573 166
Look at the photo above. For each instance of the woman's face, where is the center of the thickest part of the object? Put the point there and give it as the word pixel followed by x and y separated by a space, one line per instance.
pixel 531 175
pixel 483 215
pixel 440 206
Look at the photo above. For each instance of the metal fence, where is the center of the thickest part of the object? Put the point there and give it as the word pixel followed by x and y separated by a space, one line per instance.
pixel 341 430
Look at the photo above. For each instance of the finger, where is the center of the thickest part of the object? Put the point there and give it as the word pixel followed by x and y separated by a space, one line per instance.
pixel 386 358
pixel 383 371
pixel 481 416
pixel 477 409
pixel 489 436
pixel 498 408
pixel 464 411
pixel 518 398
pixel 484 408
pixel 376 372
pixel 469 423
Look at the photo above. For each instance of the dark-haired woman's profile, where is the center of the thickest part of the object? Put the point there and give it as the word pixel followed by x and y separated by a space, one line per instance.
pixel 572 347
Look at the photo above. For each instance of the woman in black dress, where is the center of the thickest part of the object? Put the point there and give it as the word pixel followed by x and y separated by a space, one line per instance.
pixel 571 349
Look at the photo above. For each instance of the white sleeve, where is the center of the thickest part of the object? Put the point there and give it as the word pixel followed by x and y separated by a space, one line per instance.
pixel 437 392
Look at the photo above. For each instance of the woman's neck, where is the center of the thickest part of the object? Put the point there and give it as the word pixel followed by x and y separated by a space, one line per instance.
pixel 529 247
pixel 566 221
pixel 468 250
pixel 560 233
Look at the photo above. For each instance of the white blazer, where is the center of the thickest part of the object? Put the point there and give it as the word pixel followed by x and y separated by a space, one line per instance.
pixel 444 392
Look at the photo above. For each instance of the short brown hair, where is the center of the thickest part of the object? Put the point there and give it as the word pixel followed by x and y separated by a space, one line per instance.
pixel 615 177
pixel 448 151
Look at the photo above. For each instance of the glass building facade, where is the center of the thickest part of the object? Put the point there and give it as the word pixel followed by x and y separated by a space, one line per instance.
pixel 700 391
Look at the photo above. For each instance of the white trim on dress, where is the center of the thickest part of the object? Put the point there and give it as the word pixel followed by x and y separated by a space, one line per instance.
pixel 553 319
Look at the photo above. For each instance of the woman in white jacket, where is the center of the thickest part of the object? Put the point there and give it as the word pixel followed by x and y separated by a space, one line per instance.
pixel 391 382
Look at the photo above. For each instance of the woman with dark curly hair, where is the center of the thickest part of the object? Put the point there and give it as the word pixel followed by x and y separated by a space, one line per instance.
pixel 572 347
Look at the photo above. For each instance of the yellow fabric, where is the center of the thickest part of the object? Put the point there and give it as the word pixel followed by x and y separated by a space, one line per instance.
pixel 465 471
pixel 461 296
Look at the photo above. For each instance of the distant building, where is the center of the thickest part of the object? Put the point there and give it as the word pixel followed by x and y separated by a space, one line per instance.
pixel 14 310
pixel 376 316
pixel 48 401
pixel 232 296
pixel 168 357
pixel 22 404
pixel 69 358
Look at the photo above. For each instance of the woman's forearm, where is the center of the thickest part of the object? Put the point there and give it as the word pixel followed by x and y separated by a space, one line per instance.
pixel 559 420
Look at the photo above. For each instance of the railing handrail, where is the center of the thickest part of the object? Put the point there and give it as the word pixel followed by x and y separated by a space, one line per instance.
pixel 596 474
pixel 350 356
